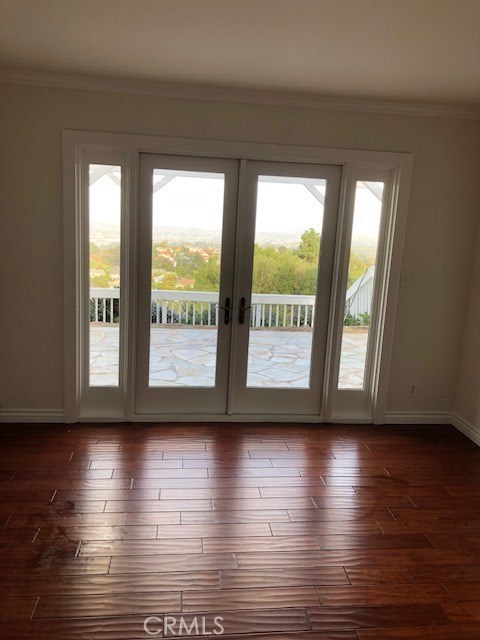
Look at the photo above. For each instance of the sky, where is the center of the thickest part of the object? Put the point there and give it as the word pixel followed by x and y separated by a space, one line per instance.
pixel 197 202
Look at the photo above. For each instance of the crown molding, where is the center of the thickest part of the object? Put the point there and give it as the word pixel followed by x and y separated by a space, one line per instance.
pixel 230 94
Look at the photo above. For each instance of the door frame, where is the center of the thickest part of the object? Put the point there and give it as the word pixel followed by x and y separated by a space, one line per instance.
pixel 78 146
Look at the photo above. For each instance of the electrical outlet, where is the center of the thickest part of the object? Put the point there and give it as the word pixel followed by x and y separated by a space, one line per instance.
pixel 412 389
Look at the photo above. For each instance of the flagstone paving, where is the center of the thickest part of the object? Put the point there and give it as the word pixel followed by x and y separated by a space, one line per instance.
pixel 184 356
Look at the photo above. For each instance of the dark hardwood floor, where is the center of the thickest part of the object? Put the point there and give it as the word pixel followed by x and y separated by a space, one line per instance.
pixel 284 531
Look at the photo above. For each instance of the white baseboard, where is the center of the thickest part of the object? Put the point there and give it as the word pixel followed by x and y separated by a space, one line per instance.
pixel 466 428
pixel 29 416
pixel 434 417
pixel 418 417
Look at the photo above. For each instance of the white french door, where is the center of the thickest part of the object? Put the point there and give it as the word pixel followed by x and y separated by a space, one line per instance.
pixel 233 285
pixel 285 249
pixel 186 228
pixel 208 285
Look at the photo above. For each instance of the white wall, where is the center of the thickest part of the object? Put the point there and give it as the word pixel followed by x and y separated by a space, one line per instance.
pixel 467 404
pixel 445 200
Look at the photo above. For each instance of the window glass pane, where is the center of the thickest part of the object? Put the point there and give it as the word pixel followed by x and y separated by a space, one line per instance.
pixel 104 216
pixel 187 221
pixel 360 284
pixel 288 228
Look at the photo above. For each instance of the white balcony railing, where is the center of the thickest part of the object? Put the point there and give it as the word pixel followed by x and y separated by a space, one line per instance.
pixel 202 308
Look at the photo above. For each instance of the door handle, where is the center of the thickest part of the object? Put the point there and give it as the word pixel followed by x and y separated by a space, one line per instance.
pixel 226 309
pixel 241 313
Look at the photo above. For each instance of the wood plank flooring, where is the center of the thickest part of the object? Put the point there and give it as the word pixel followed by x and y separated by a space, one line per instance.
pixel 285 532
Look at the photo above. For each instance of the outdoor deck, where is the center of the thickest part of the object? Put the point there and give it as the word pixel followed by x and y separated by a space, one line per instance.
pixel 185 356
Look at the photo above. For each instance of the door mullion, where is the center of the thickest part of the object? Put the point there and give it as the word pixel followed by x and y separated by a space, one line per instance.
pixel 236 285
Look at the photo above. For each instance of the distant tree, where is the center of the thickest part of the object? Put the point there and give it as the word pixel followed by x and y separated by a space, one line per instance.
pixel 169 281
pixel 264 270
pixel 309 248
pixel 356 268
pixel 160 262
pixel 101 281
pixel 207 277
pixel 283 271
pixel 277 270
pixel 306 278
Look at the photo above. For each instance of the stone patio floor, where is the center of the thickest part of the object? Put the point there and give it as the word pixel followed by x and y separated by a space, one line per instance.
pixel 185 356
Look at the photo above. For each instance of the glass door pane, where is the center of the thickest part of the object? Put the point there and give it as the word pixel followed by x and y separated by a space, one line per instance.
pixel 360 284
pixel 187 221
pixel 104 222
pixel 288 230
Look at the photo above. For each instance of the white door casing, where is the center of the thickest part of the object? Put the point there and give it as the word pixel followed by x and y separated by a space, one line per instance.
pixel 83 403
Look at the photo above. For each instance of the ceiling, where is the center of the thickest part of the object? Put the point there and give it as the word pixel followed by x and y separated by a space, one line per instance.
pixel 424 51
